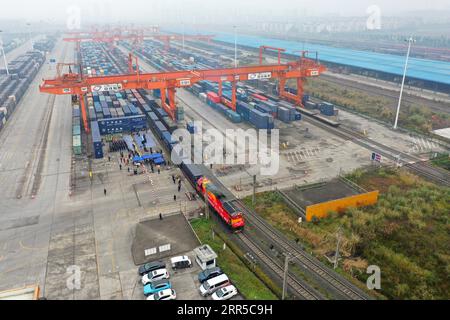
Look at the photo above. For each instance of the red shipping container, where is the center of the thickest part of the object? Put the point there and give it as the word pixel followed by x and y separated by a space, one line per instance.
pixel 212 96
pixel 259 97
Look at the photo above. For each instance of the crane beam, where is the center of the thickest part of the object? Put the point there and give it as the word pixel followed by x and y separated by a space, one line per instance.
pixel 77 84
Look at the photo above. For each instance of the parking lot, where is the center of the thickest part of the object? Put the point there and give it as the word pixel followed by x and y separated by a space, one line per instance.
pixel 184 281
pixel 161 239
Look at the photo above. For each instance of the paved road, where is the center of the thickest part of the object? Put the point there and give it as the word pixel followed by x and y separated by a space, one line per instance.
pixel 23 48
pixel 25 222
pixel 41 237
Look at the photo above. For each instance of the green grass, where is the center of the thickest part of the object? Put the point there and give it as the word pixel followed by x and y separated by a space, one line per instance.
pixel 416 117
pixel 407 233
pixel 247 282
pixel 442 161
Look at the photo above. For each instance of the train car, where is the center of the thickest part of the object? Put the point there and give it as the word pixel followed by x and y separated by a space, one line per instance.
pixel 315 114
pixel 219 198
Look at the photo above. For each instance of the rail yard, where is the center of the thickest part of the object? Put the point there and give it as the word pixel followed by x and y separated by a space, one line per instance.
pixel 160 163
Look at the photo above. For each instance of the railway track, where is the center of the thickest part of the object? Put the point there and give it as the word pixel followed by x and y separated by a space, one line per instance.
pixel 412 162
pixel 299 289
pixel 332 280
pixel 328 277
pixel 391 94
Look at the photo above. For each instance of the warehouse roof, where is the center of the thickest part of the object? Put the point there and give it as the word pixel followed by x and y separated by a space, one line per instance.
pixel 429 70
pixel 443 132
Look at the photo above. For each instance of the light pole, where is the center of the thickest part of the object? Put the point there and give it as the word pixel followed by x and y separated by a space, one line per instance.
pixel 235 47
pixel 285 274
pixel 410 41
pixel 287 258
pixel 29 35
pixel 183 37
pixel 4 54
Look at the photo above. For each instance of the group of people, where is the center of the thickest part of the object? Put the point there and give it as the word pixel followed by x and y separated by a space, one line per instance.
pixel 176 180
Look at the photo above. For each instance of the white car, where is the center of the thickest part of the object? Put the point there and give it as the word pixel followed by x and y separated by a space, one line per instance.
pixel 180 262
pixel 168 294
pixel 154 276
pixel 225 293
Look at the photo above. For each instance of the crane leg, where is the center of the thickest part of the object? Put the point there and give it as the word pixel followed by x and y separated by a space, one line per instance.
pixel 281 87
pixel 172 106
pixel 220 89
pixel 300 91
pixel 233 95
pixel 163 99
pixel 84 113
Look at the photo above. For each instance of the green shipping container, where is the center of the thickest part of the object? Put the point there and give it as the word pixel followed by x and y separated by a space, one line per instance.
pixel 76 130
pixel 76 143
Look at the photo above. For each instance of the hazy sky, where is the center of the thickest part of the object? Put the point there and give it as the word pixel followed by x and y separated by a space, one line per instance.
pixel 157 10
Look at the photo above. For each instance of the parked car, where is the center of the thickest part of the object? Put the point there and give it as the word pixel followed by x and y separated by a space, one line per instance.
pixel 151 266
pixel 210 286
pixel 209 274
pixel 180 262
pixel 168 294
pixel 155 275
pixel 154 287
pixel 225 293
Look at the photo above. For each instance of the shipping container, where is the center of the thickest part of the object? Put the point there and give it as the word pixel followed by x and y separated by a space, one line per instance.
pixel 214 97
pixel 76 144
pixel 96 140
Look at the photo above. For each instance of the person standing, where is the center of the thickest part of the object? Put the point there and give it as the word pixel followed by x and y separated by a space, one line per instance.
pixel 104 191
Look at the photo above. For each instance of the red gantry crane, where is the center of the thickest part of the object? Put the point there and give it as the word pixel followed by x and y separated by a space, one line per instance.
pixel 76 84
pixel 137 36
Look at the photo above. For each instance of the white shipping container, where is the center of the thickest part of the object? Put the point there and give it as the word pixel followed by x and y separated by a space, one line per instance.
pixel 202 96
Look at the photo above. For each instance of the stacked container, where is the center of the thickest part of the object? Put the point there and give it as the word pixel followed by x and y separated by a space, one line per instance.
pixel 326 109
pixel 261 120
pixel 76 130
pixel 96 140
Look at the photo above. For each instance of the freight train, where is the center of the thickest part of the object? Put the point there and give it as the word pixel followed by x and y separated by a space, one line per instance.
pixel 203 181
pixel 219 198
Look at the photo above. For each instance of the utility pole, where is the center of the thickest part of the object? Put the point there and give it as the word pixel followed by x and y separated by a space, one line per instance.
pixel 183 37
pixel 336 255
pixel 235 47
pixel 410 41
pixel 206 204
pixel 4 54
pixel 29 35
pixel 254 190
pixel 285 274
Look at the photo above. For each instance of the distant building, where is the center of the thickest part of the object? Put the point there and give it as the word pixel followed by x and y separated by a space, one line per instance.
pixel 25 293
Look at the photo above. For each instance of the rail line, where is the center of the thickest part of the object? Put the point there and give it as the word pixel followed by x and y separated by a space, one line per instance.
pixel 301 290
pixel 332 280
pixel 412 162
pixel 391 94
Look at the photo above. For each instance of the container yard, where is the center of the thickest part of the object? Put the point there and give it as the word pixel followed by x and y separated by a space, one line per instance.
pixel 195 161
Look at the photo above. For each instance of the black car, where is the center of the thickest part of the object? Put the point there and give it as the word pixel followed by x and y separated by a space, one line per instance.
pixel 151 266
pixel 209 274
